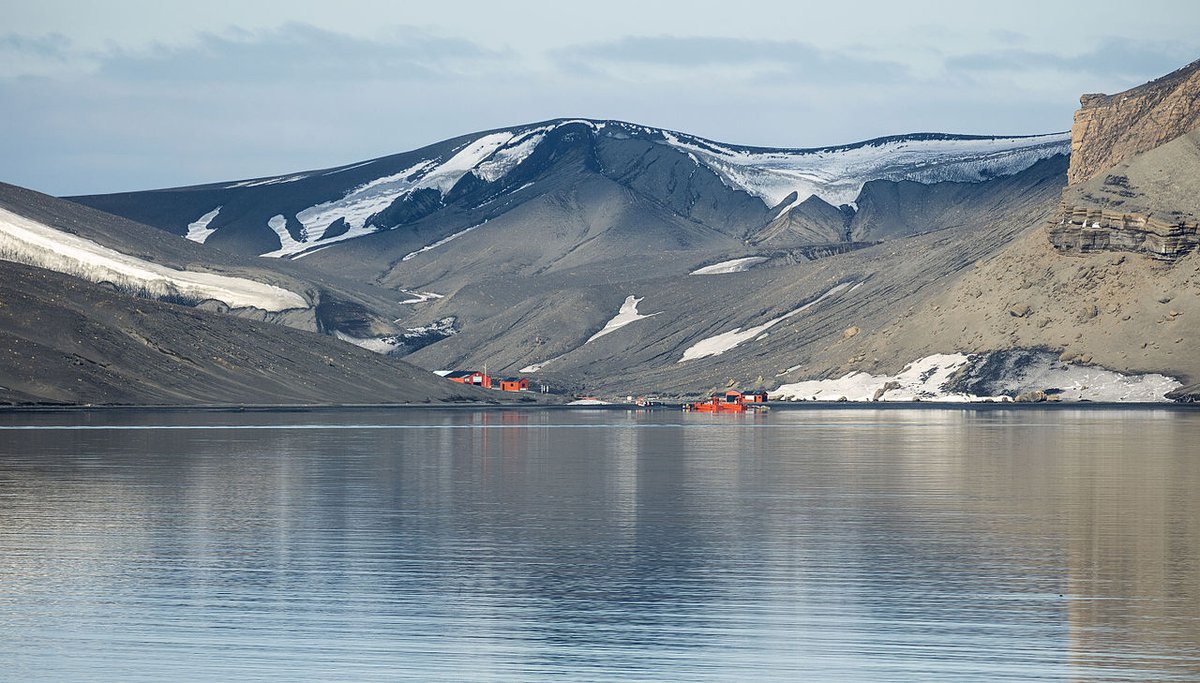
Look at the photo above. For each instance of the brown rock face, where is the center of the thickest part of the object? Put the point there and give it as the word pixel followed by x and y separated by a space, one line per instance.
pixel 1089 229
pixel 1109 129
pixel 1149 204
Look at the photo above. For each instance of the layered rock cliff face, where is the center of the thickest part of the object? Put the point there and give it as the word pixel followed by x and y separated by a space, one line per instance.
pixel 1110 129
pixel 1135 172
pixel 1090 229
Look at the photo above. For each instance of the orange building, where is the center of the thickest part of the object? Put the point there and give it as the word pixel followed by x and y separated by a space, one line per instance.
pixel 513 384
pixel 470 377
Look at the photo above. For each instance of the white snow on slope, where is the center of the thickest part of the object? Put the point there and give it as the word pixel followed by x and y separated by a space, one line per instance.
pixel 447 174
pixel 489 157
pixel 924 380
pixel 198 230
pixel 838 174
pixel 358 205
pixel 278 180
pixel 627 314
pixel 921 380
pixel 506 159
pixel 737 265
pixel 727 341
pixel 27 241
pixel 412 254
pixel 420 297
pixel 287 243
pixel 382 345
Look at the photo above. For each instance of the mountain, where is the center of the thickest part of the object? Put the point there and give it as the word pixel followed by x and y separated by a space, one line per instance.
pixel 95 309
pixel 603 256
pixel 694 192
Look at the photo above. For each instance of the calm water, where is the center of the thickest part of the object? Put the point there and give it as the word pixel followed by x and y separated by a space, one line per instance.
pixel 875 545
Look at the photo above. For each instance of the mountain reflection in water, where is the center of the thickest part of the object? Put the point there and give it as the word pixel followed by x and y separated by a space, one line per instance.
pixel 837 544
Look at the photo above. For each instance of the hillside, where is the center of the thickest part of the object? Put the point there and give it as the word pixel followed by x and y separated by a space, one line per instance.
pixel 1112 280
pixel 515 248
pixel 95 309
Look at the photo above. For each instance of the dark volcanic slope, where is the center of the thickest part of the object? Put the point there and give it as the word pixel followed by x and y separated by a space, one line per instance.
pixel 418 198
pixel 545 320
pixel 334 304
pixel 529 240
pixel 63 340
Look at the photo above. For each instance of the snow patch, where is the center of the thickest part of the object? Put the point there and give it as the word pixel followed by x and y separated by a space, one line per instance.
pixel 198 229
pixel 358 205
pixel 921 380
pixel 382 345
pixel 509 157
pixel 737 265
pixel 926 379
pixel 408 341
pixel 626 315
pixel 727 341
pixel 420 297
pixel 27 241
pixel 536 367
pixel 837 174
pixel 277 180
pixel 412 254
pixel 355 208
pixel 588 402
pixel 447 174
pixel 287 244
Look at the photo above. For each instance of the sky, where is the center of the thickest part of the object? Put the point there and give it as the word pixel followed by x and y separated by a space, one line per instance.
pixel 107 96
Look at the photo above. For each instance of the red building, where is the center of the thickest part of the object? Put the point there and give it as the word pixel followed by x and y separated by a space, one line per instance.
pixel 754 397
pixel 471 377
pixel 513 384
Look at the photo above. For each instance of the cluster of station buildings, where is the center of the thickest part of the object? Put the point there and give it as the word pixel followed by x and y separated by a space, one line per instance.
pixel 728 402
pixel 480 379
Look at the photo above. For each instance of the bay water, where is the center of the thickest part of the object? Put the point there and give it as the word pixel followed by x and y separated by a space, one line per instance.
pixel 822 544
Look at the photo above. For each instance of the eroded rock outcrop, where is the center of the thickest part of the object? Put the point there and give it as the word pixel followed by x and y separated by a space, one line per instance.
pixel 1086 229
pixel 1110 129
pixel 1148 203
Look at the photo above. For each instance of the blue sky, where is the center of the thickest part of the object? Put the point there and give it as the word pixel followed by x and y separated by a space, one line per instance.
pixel 125 95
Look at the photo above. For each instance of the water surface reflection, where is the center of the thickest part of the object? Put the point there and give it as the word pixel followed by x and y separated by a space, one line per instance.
pixel 524 545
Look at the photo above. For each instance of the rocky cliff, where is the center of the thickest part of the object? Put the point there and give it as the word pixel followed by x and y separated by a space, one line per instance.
pixel 1110 129
pixel 1129 300
pixel 1135 172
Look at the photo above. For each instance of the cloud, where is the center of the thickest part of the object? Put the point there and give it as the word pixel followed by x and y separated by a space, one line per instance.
pixel 51 54
pixel 293 52
pixel 49 46
pixel 301 52
pixel 762 60
pixel 1112 58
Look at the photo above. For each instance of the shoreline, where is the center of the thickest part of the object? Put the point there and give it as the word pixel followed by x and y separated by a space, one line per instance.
pixel 773 405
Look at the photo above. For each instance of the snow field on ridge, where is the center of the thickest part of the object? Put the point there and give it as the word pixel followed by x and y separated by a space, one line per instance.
pixel 27 241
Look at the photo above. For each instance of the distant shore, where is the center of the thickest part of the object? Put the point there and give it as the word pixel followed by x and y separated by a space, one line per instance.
pixel 670 407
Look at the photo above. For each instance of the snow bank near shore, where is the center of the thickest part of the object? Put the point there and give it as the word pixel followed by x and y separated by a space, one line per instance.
pixel 943 377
